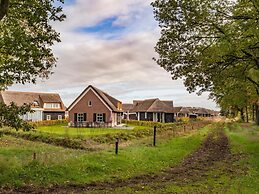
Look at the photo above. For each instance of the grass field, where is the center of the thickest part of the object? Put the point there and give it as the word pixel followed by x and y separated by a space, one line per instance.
pixel 62 130
pixel 59 165
pixel 238 176
pixel 237 172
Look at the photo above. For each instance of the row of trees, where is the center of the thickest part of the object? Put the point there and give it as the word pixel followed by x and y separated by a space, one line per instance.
pixel 26 37
pixel 213 46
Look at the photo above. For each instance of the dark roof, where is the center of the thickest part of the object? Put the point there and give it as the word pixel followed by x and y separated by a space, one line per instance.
pixel 152 105
pixel 110 101
pixel 21 98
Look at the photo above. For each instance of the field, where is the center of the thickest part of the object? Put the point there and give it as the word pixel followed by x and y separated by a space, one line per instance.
pixel 218 158
pixel 63 130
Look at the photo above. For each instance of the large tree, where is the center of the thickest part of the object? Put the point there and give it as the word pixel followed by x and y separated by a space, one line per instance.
pixel 207 42
pixel 26 37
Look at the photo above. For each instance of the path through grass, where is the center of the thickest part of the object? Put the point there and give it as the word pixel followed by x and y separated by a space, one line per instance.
pixel 85 167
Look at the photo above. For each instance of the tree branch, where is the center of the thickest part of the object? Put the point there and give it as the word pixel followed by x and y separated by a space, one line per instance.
pixel 4 5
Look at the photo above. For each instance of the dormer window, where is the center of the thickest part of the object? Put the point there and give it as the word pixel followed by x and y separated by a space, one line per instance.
pixel 89 103
pixel 52 105
pixel 35 103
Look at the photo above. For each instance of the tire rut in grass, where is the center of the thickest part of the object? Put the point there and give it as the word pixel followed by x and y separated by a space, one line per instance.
pixel 193 168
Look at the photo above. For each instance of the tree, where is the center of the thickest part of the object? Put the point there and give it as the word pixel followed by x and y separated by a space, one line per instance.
pixel 26 37
pixel 208 42
pixel 10 116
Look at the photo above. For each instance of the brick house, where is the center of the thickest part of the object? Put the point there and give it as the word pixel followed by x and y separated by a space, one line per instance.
pixel 46 106
pixel 94 107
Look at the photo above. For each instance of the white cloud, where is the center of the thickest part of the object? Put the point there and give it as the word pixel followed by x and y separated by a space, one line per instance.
pixel 122 66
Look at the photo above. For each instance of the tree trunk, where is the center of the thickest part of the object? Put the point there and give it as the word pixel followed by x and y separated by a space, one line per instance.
pixel 257 114
pixel 242 114
pixel 4 5
pixel 247 118
pixel 253 112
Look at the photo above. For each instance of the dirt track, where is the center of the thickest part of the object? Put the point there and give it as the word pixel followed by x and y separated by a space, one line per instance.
pixel 193 168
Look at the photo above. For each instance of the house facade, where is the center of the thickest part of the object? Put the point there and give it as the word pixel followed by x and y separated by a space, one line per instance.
pixel 154 110
pixel 45 106
pixel 93 106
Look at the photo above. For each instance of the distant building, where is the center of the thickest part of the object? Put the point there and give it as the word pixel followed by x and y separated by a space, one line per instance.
pixel 153 110
pixel 46 106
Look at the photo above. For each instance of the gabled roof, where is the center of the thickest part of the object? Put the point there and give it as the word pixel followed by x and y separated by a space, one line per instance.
pixel 110 101
pixel 21 98
pixel 201 111
pixel 152 105
pixel 127 107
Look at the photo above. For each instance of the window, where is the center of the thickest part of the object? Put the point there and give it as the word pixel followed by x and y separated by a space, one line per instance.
pixel 52 105
pixel 59 117
pixel 89 103
pixel 35 103
pixel 48 117
pixel 99 117
pixel 80 117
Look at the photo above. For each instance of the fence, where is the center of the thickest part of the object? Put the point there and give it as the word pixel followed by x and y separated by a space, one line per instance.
pixel 90 125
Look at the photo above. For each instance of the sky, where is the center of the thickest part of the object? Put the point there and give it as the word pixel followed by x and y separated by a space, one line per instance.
pixel 110 44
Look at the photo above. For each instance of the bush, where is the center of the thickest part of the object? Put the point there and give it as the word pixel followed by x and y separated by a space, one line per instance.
pixel 49 123
pixel 45 138
pixel 151 123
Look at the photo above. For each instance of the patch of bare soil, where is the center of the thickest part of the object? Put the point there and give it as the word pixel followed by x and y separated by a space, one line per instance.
pixel 193 168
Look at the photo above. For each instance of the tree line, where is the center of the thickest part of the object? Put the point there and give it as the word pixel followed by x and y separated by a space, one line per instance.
pixel 213 46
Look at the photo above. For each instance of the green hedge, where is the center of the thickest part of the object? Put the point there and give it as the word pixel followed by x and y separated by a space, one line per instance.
pixel 49 123
pixel 151 123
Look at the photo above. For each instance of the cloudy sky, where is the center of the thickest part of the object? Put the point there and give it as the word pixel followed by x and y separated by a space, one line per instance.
pixel 110 44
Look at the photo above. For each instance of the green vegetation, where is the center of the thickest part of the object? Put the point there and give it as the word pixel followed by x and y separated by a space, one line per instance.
pixel 213 47
pixel 62 130
pixel 75 166
pixel 238 175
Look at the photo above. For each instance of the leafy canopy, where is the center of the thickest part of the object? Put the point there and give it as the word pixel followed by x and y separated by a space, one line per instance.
pixel 26 37
pixel 10 116
pixel 207 42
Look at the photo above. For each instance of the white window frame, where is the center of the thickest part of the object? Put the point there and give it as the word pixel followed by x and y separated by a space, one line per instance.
pixel 99 117
pixel 52 105
pixel 48 117
pixel 90 103
pixel 59 117
pixel 80 117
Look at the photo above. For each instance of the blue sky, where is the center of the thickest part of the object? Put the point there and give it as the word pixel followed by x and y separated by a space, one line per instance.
pixel 110 44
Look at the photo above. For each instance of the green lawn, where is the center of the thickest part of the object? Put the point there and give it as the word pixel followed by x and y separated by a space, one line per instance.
pixel 59 165
pixel 61 130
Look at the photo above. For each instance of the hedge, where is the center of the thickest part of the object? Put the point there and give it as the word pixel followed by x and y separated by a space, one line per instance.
pixel 49 123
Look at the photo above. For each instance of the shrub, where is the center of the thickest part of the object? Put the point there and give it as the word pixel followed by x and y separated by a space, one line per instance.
pixel 49 123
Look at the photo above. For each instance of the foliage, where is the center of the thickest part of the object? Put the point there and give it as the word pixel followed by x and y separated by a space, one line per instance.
pixel 26 37
pixel 10 116
pixel 45 138
pixel 212 45
pixel 149 123
pixel 207 41
pixel 49 123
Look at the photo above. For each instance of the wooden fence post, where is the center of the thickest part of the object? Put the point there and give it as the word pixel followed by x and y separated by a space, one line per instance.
pixel 154 140
pixel 34 156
